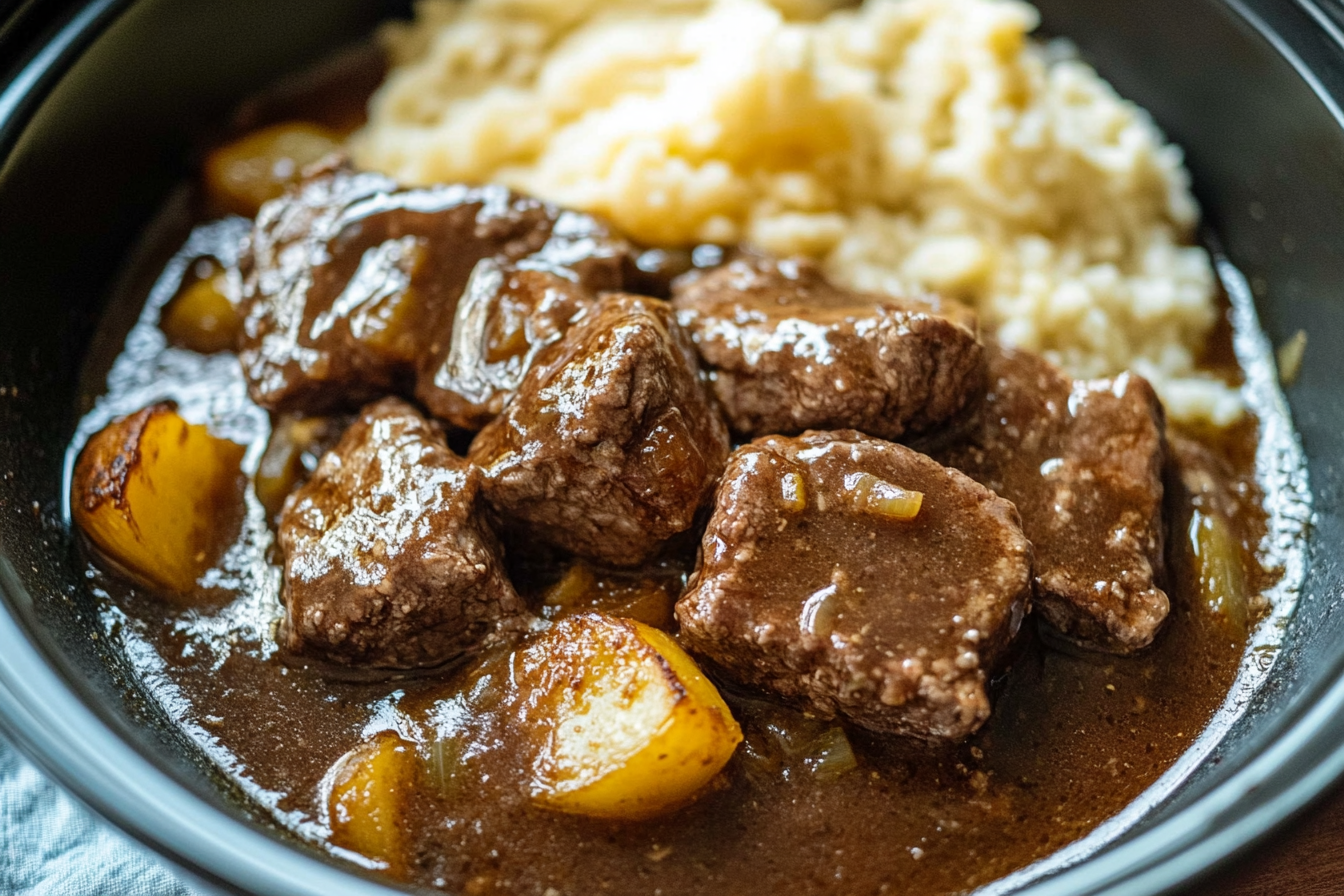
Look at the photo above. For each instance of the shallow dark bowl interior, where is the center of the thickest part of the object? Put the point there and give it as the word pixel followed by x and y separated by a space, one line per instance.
pixel 99 106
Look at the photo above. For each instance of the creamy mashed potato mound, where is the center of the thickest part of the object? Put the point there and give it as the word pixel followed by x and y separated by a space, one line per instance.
pixel 907 144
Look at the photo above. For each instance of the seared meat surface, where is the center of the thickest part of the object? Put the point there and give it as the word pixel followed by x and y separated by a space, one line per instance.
pixel 613 441
pixel 351 283
pixel 790 351
pixel 1082 460
pixel 504 318
pixel 388 560
pixel 813 588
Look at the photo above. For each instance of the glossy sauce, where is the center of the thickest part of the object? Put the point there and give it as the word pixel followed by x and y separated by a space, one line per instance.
pixel 1073 738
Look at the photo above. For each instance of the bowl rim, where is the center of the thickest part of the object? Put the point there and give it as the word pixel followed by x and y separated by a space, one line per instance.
pixel 51 718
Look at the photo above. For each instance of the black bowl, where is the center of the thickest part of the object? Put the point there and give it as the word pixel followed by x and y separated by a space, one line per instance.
pixel 98 104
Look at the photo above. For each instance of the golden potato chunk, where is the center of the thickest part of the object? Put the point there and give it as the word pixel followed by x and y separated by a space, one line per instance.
pixel 202 317
pixel 368 786
pixel 243 175
pixel 161 497
pixel 628 727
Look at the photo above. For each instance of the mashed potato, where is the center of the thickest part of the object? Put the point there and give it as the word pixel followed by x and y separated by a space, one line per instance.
pixel 906 143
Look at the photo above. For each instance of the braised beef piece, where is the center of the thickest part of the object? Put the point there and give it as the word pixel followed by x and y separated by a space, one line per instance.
pixel 790 351
pixel 351 283
pixel 612 442
pixel 1082 460
pixel 504 317
pixel 811 585
pixel 388 562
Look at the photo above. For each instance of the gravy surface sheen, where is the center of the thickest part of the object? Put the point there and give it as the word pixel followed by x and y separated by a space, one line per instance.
pixel 1074 737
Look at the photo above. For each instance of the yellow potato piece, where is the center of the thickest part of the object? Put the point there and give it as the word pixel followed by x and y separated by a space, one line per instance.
pixel 161 497
pixel 241 176
pixel 368 786
pixel 202 317
pixel 629 726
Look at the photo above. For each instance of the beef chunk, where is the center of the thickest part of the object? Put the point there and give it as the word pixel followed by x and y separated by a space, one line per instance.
pixel 812 585
pixel 789 351
pixel 504 318
pixel 1082 460
pixel 612 442
pixel 387 560
pixel 351 283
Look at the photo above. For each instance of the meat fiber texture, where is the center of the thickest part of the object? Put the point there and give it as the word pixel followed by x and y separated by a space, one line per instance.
pixel 388 559
pixel 613 441
pixel 806 590
pixel 787 351
pixel 1083 462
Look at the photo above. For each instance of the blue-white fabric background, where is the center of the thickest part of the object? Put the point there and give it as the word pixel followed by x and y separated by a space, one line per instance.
pixel 50 845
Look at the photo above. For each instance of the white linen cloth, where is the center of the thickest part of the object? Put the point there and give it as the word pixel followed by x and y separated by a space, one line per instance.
pixel 50 845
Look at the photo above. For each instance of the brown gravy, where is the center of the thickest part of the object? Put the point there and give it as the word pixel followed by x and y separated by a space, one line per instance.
pixel 1073 739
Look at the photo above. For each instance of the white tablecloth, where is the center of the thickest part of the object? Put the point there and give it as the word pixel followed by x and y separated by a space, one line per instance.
pixel 50 845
